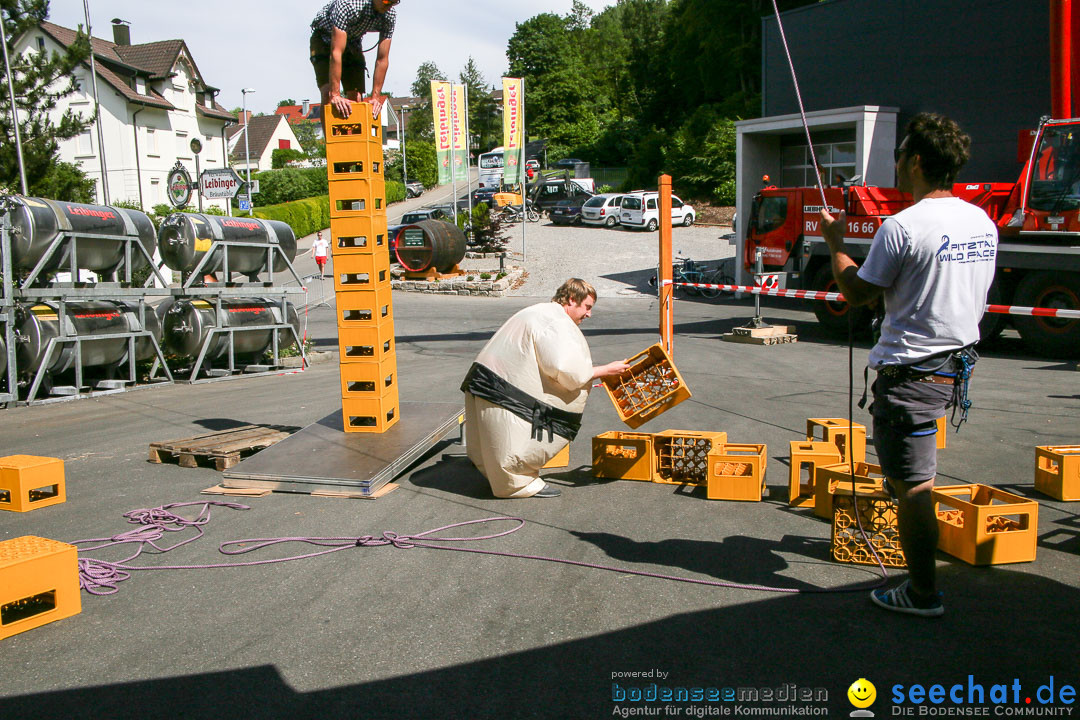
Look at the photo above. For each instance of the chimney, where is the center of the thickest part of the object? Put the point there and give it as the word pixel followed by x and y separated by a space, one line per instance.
pixel 305 108
pixel 121 31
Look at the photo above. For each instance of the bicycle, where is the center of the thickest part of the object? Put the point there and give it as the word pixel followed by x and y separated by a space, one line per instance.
pixel 690 271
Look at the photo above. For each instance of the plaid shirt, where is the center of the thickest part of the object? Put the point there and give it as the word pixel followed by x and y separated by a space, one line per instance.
pixel 355 17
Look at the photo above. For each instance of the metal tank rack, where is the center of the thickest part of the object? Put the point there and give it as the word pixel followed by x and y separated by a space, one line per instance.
pixel 218 339
pixel 60 247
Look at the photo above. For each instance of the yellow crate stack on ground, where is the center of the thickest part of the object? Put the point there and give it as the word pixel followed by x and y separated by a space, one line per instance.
pixel 832 480
pixel 39 583
pixel 359 243
pixel 737 472
pixel 682 456
pixel 621 455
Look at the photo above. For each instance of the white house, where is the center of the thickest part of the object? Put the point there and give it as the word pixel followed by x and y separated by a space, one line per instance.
pixel 154 102
pixel 268 133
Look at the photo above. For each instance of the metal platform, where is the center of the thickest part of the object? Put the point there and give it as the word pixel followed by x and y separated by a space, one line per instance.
pixel 323 456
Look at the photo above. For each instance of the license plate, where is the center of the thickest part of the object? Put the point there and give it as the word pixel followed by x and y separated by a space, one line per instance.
pixel 1055 219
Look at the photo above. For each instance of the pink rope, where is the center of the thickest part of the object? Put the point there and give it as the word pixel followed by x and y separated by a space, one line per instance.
pixel 101 577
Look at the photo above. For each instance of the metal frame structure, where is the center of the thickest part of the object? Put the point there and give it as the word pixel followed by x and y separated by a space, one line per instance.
pixel 280 294
pixel 14 292
pixel 189 279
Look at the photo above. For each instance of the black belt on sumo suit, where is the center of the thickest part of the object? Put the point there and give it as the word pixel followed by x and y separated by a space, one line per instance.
pixel 481 382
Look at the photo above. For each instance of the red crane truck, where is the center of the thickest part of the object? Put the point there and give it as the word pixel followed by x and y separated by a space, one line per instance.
pixel 1038 220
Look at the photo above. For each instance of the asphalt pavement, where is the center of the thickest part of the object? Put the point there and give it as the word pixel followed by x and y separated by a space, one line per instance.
pixel 390 632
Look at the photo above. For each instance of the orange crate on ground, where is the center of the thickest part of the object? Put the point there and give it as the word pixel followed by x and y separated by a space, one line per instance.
pixel 983 525
pixel 368 379
pixel 39 583
pixel 362 197
pixel 682 456
pixel 29 482
pixel 623 456
pixel 366 344
pixel 373 415
pixel 877 513
pixel 835 430
pixel 814 454
pixel 368 271
pixel 830 480
pixel 736 472
pixel 561 459
pixel 358 235
pixel 358 127
pixel 1057 471
pixel 364 308
pixel 651 386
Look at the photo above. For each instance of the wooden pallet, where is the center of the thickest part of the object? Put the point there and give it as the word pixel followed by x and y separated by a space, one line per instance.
pixel 225 448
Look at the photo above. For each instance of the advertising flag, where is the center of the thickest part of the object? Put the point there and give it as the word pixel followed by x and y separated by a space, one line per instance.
pixel 513 129
pixel 441 114
pixel 460 153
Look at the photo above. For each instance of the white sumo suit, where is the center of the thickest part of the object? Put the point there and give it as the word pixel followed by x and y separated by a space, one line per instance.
pixel 541 352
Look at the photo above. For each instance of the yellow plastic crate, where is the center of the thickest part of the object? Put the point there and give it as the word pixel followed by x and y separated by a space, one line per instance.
pixel 1057 471
pixel 830 480
pixel 737 472
pixel 364 308
pixel 623 456
pixel 39 583
pixel 561 459
pixel 361 272
pixel 814 454
pixel 877 513
pixel 366 344
pixel 361 197
pixel 835 430
pixel 983 525
pixel 368 379
pixel 29 482
pixel 358 235
pixel 682 456
pixel 651 386
pixel 358 127
pixel 374 415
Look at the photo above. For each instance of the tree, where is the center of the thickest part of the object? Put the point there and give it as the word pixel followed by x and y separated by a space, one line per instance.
pixel 309 135
pixel 40 82
pixel 281 157
pixel 286 101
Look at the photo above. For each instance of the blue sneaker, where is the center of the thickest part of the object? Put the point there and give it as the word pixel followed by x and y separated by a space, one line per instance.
pixel 899 600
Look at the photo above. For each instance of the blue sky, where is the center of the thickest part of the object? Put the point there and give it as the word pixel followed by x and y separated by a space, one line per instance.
pixel 263 43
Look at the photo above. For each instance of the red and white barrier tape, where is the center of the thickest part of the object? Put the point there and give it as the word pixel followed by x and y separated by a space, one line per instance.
pixel 838 297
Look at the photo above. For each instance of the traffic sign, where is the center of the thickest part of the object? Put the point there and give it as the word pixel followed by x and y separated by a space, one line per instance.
pixel 219 183
pixel 245 204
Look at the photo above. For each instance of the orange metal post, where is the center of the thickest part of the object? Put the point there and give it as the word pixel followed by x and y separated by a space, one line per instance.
pixel 664 272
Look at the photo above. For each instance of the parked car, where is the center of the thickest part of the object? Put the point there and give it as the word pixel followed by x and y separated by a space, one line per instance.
pixel 567 212
pixel 484 195
pixel 414 189
pixel 567 163
pixel 602 209
pixel 642 210
pixel 545 196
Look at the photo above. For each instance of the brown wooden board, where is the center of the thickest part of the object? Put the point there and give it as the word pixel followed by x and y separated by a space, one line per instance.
pixel 224 448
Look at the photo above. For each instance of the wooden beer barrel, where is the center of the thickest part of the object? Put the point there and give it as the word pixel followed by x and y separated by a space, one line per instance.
pixel 430 244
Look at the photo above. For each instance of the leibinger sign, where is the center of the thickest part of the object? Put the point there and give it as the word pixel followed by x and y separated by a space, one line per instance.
pixel 179 185
pixel 219 183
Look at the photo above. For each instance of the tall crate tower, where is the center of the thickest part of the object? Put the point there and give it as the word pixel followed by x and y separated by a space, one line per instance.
pixel 360 249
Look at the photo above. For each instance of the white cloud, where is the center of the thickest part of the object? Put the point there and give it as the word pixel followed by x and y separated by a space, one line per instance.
pixel 263 44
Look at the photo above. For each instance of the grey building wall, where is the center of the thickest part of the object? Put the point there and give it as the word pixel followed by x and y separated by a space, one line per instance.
pixel 985 63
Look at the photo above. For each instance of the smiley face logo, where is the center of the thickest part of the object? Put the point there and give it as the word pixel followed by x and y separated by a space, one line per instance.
pixel 862 693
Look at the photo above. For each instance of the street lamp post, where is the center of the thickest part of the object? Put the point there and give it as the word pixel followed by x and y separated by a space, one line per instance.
pixel 404 162
pixel 247 147
pixel 97 109
pixel 14 113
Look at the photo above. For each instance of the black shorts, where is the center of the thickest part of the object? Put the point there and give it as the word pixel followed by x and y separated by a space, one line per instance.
pixel 353 66
pixel 905 435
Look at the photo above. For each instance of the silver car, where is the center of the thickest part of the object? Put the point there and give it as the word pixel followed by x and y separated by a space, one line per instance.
pixel 602 210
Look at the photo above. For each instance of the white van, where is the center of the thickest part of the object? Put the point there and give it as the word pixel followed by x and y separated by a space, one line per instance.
pixel 602 210
pixel 642 210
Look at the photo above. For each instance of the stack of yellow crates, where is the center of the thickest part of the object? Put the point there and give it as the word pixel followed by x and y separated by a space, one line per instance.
pixel 360 248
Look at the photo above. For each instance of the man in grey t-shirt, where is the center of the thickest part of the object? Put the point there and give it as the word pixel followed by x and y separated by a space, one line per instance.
pixel 933 263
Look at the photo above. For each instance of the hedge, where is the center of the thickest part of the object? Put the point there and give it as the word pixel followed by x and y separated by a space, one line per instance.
pixel 303 216
pixel 311 214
